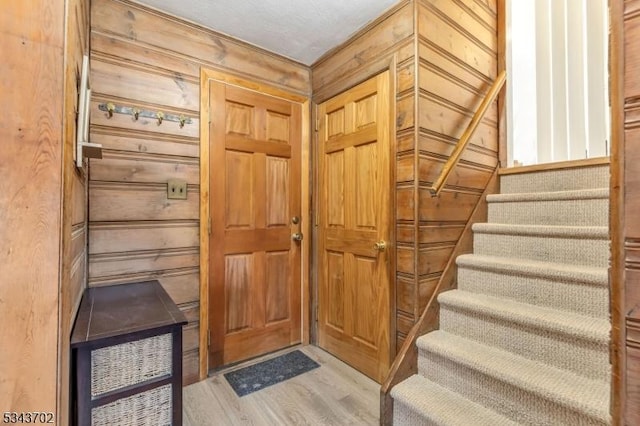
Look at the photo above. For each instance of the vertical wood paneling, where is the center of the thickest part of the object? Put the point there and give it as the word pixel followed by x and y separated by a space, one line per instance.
pixel 35 317
pixel 146 59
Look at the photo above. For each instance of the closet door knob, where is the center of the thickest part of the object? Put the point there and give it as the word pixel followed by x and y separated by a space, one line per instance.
pixel 380 245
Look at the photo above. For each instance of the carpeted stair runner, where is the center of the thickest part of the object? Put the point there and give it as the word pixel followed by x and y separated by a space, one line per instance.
pixel 524 339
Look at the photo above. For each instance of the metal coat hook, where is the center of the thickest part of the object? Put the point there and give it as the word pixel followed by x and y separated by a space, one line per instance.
pixel 110 108
pixel 139 113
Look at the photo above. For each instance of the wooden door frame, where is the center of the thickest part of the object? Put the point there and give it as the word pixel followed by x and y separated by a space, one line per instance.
pixel 207 75
pixel 389 64
pixel 617 285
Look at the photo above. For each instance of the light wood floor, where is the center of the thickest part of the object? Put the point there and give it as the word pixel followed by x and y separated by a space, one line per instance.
pixel 334 394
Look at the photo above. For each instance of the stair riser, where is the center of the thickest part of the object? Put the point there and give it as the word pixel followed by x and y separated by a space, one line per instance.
pixel 592 212
pixel 581 298
pixel 556 180
pixel 591 252
pixel 588 358
pixel 521 405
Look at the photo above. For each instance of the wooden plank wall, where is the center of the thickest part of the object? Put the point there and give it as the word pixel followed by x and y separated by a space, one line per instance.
pixel 73 277
pixel 631 187
pixel 442 71
pixel 457 63
pixel 388 40
pixel 32 78
pixel 150 60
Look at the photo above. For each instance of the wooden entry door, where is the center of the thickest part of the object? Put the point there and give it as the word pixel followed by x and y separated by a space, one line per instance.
pixel 254 274
pixel 354 303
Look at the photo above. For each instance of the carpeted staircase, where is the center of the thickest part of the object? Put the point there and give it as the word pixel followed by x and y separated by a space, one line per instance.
pixel 524 339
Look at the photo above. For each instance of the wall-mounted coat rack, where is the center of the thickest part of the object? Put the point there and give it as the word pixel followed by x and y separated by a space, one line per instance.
pixel 136 113
pixel 84 148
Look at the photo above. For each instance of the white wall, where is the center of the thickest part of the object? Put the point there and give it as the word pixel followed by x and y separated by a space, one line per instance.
pixel 557 73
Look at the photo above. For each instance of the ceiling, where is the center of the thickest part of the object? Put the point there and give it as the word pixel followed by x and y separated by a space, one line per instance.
pixel 302 30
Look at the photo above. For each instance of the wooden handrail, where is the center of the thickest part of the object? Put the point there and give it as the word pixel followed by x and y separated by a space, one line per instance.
pixel 468 134
pixel 406 361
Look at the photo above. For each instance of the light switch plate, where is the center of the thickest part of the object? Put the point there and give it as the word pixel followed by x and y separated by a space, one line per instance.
pixel 176 189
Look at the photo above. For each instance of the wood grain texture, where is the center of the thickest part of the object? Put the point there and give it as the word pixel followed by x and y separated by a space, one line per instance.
pixel 616 216
pixel 73 277
pixel 254 293
pixel 118 78
pixel 141 142
pixel 502 66
pixel 334 393
pixel 406 361
pixel 150 60
pixel 456 61
pixel 355 289
pixel 113 201
pixel 159 33
pixel 364 56
pixel 440 25
pixel 624 226
pixel 377 40
pixel 632 378
pixel 144 168
pixel 204 225
pixel 33 89
pixel 181 284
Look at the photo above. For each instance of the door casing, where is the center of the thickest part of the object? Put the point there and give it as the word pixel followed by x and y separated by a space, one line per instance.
pixel 207 75
pixel 389 64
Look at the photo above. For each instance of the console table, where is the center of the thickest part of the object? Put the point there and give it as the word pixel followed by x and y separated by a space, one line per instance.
pixel 127 354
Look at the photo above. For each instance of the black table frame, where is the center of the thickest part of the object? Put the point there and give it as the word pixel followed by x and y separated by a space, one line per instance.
pixel 82 348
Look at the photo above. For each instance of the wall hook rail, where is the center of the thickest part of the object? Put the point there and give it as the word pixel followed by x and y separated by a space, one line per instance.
pixel 136 113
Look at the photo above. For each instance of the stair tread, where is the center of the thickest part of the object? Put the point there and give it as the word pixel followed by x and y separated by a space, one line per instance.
pixel 443 406
pixel 541 317
pixel 537 268
pixel 577 232
pixel 550 383
pixel 578 194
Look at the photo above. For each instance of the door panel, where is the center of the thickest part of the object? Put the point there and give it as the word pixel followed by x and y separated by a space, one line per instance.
pixel 255 190
pixel 355 213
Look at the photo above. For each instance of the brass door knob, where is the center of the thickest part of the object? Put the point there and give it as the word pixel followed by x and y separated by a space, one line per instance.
pixel 380 245
pixel 296 236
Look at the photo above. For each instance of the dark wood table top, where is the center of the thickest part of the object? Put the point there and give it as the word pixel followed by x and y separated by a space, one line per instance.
pixel 117 310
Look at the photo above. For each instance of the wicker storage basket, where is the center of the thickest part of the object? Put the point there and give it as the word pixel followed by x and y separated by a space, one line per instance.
pixel 151 408
pixel 119 366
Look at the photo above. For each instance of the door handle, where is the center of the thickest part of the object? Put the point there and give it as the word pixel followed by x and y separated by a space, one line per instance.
pixel 380 245
pixel 297 236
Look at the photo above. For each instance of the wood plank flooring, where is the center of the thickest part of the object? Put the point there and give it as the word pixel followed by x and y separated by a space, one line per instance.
pixel 334 394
